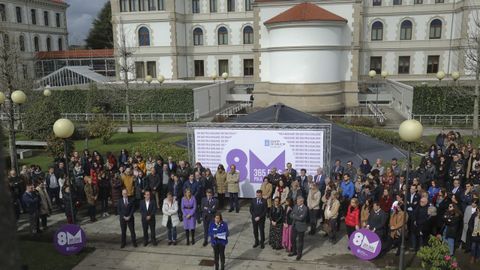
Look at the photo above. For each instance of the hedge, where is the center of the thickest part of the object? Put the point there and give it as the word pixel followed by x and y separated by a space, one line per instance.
pixel 442 100
pixel 113 101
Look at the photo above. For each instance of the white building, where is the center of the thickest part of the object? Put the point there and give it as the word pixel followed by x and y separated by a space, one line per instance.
pixel 33 26
pixel 309 55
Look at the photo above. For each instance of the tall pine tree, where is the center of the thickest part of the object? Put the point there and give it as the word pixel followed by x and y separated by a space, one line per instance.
pixel 101 34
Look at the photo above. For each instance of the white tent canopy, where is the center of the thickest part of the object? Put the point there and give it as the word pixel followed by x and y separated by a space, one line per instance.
pixel 72 75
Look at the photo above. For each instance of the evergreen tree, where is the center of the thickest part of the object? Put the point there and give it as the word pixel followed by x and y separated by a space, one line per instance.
pixel 101 34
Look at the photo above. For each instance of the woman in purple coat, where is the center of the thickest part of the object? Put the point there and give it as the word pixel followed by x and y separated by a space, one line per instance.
pixel 189 206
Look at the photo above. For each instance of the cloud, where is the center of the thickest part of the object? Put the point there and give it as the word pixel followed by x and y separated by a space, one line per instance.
pixel 80 15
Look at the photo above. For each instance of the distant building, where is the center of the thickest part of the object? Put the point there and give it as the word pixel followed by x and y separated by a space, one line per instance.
pixel 34 26
pixel 308 55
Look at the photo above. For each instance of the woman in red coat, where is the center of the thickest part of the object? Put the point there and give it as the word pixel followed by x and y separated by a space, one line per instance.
pixel 352 219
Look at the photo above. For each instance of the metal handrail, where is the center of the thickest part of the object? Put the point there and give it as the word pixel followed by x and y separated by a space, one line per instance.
pixel 444 119
pixel 379 115
pixel 233 110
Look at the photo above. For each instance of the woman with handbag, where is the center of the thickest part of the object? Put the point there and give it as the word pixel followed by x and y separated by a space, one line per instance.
pixel 170 218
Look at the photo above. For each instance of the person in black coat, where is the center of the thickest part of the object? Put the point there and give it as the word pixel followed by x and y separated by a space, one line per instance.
pixel 125 210
pixel 175 186
pixel 155 185
pixel 377 221
pixel 148 208
pixel 32 206
pixel 421 225
pixel 451 220
pixel 258 210
pixel 209 208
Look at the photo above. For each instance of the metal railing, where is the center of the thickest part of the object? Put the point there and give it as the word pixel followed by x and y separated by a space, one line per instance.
pixel 347 116
pixel 233 110
pixel 379 115
pixel 139 117
pixel 444 119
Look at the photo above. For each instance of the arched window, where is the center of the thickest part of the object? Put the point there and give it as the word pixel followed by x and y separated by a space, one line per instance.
pixel 21 43
pixel 49 44
pixel 36 44
pixel 406 30
pixel 143 36
pixel 60 44
pixel 436 29
pixel 197 36
pixel 222 36
pixel 248 35
pixel 377 31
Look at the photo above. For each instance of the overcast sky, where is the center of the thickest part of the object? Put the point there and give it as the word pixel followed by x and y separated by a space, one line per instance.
pixel 80 15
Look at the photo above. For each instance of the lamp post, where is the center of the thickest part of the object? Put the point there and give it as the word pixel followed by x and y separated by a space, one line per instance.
pixel 440 76
pixel 64 128
pixel 8 101
pixel 410 131
pixel 160 79
pixel 148 79
pixel 47 92
pixel 225 77
pixel 372 73
pixel 384 75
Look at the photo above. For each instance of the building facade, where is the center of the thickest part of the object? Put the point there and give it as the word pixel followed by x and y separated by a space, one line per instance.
pixel 33 26
pixel 309 55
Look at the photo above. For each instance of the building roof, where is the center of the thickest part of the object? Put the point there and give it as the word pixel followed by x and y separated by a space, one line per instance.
pixel 304 12
pixel 72 54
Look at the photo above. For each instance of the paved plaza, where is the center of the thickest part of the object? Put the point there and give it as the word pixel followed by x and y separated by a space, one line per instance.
pixel 104 235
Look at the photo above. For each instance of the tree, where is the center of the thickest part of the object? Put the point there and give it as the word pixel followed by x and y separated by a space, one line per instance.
pixel 102 127
pixel 39 118
pixel 101 34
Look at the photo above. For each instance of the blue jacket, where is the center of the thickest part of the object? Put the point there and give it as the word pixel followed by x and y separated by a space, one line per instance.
pixel 215 230
pixel 348 189
pixel 194 187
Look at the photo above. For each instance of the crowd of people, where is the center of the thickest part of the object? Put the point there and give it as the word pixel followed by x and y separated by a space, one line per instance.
pixel 442 198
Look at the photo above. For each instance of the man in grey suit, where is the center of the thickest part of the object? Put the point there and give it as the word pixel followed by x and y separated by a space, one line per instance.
pixel 299 217
pixel 209 208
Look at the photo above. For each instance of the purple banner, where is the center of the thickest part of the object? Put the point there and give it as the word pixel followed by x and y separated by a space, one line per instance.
pixel 69 239
pixel 365 244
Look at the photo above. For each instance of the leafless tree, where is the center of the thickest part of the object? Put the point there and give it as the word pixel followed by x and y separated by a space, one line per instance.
pixel 472 65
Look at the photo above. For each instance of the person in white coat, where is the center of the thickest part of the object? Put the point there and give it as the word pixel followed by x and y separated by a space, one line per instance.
pixel 469 211
pixel 170 218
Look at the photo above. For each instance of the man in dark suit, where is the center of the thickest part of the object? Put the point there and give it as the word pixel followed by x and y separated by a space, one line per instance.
pixel 319 180
pixel 148 209
pixel 258 210
pixel 337 169
pixel 377 221
pixel 209 208
pixel 125 210
pixel 299 217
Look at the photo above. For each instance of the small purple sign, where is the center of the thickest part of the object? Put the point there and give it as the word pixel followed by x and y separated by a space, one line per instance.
pixel 365 244
pixel 69 239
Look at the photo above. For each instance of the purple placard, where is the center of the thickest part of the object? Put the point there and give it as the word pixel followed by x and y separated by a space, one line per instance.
pixel 365 244
pixel 69 239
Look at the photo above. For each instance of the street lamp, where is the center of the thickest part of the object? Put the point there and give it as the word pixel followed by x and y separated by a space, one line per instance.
pixel 455 75
pixel 372 73
pixel 440 76
pixel 160 79
pixel 384 75
pixel 64 128
pixel 410 131
pixel 47 92
pixel 149 79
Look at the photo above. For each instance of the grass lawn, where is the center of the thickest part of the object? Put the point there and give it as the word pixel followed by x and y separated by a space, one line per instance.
pixel 43 256
pixel 117 142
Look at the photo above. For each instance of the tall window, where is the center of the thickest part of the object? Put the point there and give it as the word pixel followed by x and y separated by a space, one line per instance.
pixel 195 6
pixel 247 67
pixel 139 70
pixel 143 36
pixel 132 4
pixel 152 68
pixel 45 18
pixel 377 31
pixel 247 35
pixel 160 5
pixel 377 2
pixel 36 44
pixel 123 6
pixel 439 1
pixel 197 36
pixel 418 2
pixel 222 36
pixel 3 13
pixel 21 43
pixel 376 64
pixel 60 44
pixel 403 64
pixel 406 30
pixel 151 4
pixel 49 44
pixel 397 2
pixel 432 63
pixel 231 5
pixel 248 5
pixel 222 66
pixel 213 5
pixel 33 14
pixel 199 68
pixel 436 29
pixel 19 14
pixel 57 19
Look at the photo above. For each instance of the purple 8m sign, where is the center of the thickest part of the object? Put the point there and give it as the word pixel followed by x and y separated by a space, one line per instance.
pixel 258 169
pixel 69 239
pixel 365 244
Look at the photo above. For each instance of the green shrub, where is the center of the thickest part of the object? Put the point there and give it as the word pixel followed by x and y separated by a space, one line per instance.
pixel 39 117
pixel 361 121
pixel 436 256
pixel 442 100
pixel 155 149
pixel 56 147
pixel 102 127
